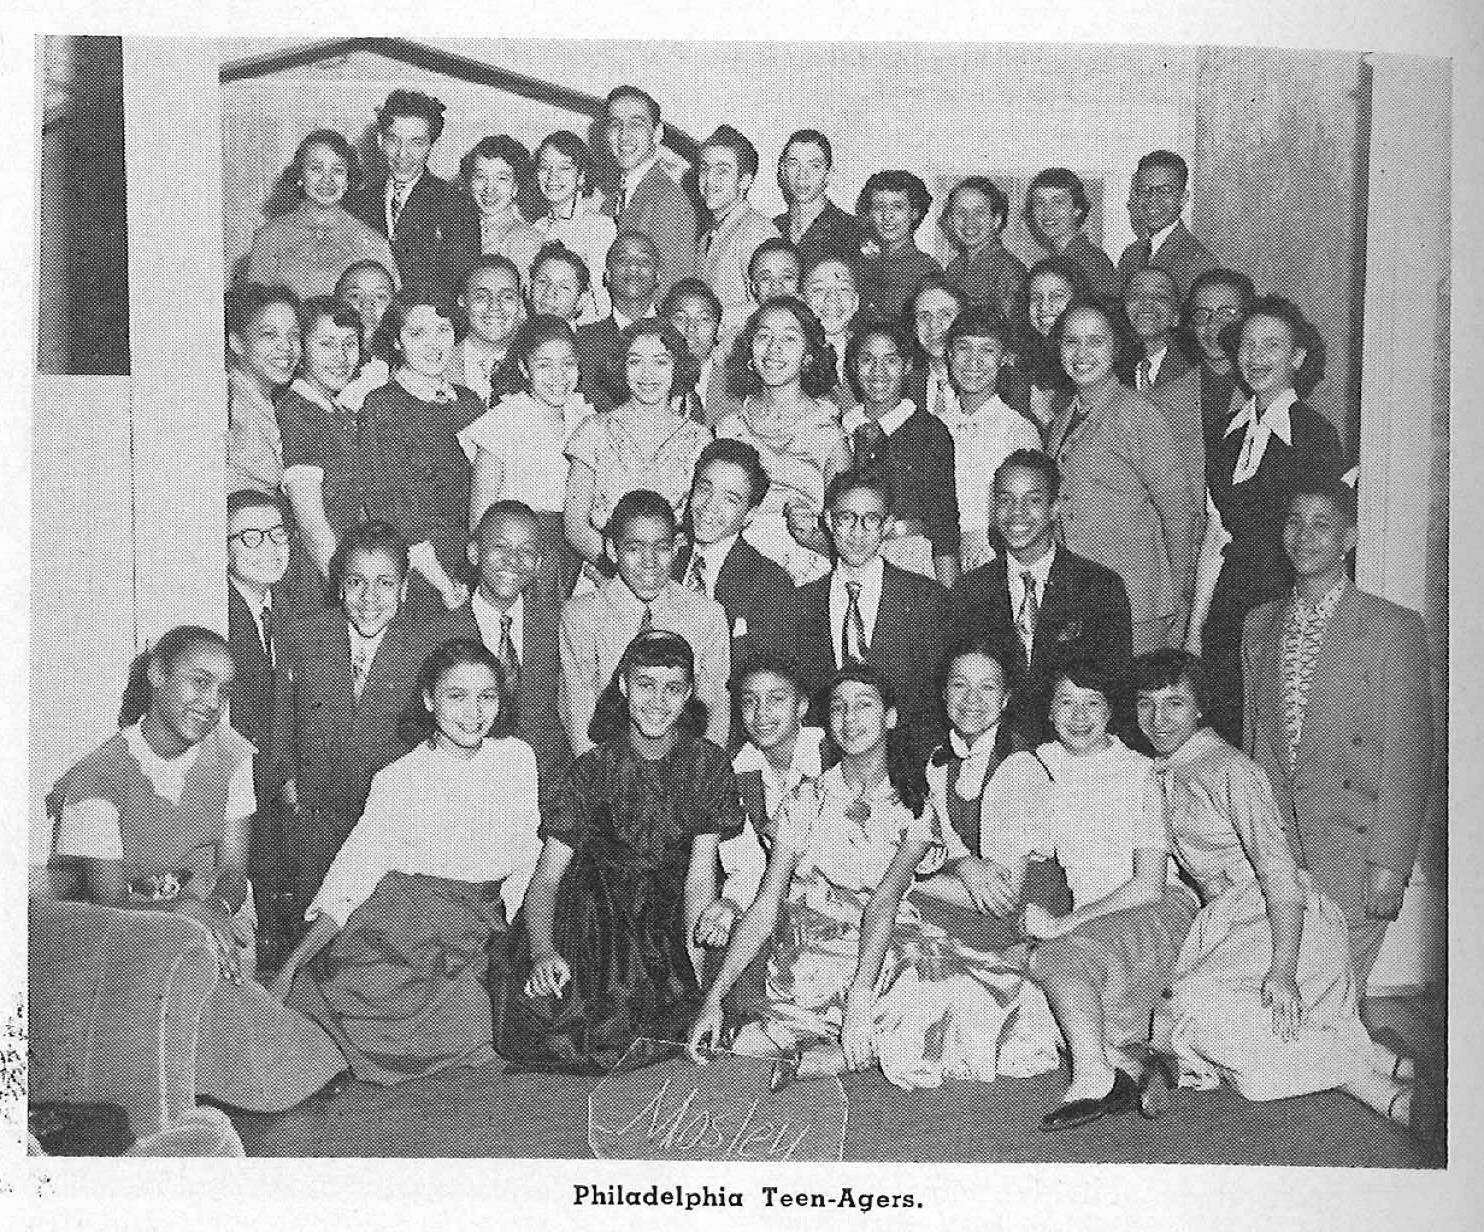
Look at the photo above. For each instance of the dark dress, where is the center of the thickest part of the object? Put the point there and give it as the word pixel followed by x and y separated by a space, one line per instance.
pixel 887 280
pixel 620 907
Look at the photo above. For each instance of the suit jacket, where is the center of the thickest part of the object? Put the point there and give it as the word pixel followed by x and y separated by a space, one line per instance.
pixel 755 594
pixel 1126 502
pixel 252 691
pixel 1180 399
pixel 663 210
pixel 1181 253
pixel 909 640
pixel 833 234
pixel 1357 791
pixel 1096 264
pixel 1084 614
pixel 597 352
pixel 437 236
pixel 536 719
pixel 723 263
pixel 324 737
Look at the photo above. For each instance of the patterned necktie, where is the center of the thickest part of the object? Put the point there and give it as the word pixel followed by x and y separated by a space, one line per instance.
pixel 853 646
pixel 623 200
pixel 399 199
pixel 695 576
pixel 265 627
pixel 646 622
pixel 868 440
pixel 1079 413
pixel 1029 611
pixel 360 667
pixel 708 241
pixel 1142 380
pixel 505 653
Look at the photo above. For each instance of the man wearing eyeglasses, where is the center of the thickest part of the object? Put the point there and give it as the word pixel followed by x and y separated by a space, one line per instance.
pixel 1159 193
pixel 870 611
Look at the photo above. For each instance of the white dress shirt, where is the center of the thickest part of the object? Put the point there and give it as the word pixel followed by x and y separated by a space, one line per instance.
pixel 855 417
pixel 715 556
pixel 257 604
pixel 487 617
pixel 391 192
pixel 1015 581
pixel 869 576
pixel 1156 238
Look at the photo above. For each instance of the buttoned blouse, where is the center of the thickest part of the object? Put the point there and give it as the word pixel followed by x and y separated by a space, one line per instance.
pixel 525 435
pixel 509 235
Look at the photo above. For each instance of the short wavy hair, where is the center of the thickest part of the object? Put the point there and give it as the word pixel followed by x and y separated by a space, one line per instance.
pixel 411 104
pixel 999 201
pixel 1058 177
pixel 1127 347
pixel 686 367
pixel 1304 332
pixel 817 377
pixel 904 340
pixel 897 181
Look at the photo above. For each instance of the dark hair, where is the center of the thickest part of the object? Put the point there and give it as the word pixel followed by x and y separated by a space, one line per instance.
pixel 555 250
pixel 687 367
pixel 1127 348
pixel 1221 277
pixel 978 321
pixel 689 288
pixel 1064 268
pixel 872 479
pixel 288 191
pixel 1164 273
pixel 903 340
pixel 386 342
pixel 1305 335
pixel 738 453
pixel 816 376
pixel 252 498
pixel 365 537
pixel 1165 158
pixel 774 662
pixel 503 509
pixel 359 267
pixel 411 104
pixel 901 182
pixel 416 722
pixel 535 331
pixel 652 648
pixel 1083 673
pixel 1058 177
pixel 904 769
pixel 326 307
pixel 508 150
pixel 1041 360
pixel 167 652
pixel 933 280
pixel 774 243
pixel 1329 486
pixel 643 96
pixel 1034 460
pixel 640 503
pixel 1167 667
pixel 490 261
pixel 632 235
pixel 245 301
pixel 570 145
pixel 728 137
pixel 975 643
pixel 813 137
pixel 999 203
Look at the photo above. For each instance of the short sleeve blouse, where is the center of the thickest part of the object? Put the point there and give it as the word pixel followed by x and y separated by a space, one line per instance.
pixel 523 433
pixel 606 444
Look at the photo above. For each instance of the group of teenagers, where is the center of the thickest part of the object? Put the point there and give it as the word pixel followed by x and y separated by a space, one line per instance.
pixel 791 645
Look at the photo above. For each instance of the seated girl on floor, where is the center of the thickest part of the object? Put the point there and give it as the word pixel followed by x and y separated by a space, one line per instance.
pixel 394 964
pixel 856 978
pixel 601 955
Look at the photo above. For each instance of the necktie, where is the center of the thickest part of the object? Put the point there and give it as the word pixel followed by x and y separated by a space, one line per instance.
pixel 1075 422
pixel 646 622
pixel 360 668
pixel 940 399
pixel 707 242
pixel 1146 250
pixel 853 635
pixel 399 199
pixel 505 653
pixel 1142 379
pixel 1029 611
pixel 695 576
pixel 868 439
pixel 265 627
pixel 623 200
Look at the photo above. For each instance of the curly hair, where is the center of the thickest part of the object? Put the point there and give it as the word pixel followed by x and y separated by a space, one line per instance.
pixel 412 105
pixel 916 191
pixel 386 342
pixel 416 722
pixel 1303 332
pixel 903 339
pixel 999 203
pixel 904 768
pixel 653 648
pixel 817 376
pixel 687 368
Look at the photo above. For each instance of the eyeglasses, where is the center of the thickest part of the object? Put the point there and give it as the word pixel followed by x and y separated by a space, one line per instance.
pixel 254 538
pixel 846 520
pixel 1204 316
pixel 1156 190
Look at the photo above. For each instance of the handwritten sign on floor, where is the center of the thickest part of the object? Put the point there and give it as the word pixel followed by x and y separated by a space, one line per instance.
pixel 719 1111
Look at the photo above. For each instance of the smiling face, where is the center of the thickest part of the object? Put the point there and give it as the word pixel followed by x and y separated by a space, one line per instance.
pixel 832 296
pixel 270 351
pixel 1024 512
pixel 323 175
pixel 1153 306
pixel 1081 718
pixel 859 719
pixel 187 697
pixel 427 340
pixel 974 694
pixel 650 370
pixel 974 364
pixel 406 142
pixel 1213 307
pixel 778 348
pixel 264 565
pixel 881 369
pixel 1169 717
pixel 720 502
pixel 1088 347
pixel 507 555
pixel 492 184
pixel 776 272
pixel 372 590
pixel 932 313
pixel 633 136
pixel 644 554
pixel 552 371
pixel 857 522
pixel 698 324
pixel 1047 296
pixel 803 172
pixel 633 272
pixel 492 300
pixel 972 220
pixel 1268 357
pixel 892 217
pixel 557 176
pixel 332 353
pixel 1318 538
pixel 1157 197
pixel 1054 214
pixel 772 709
pixel 720 179
pixel 657 698
pixel 369 292
pixel 556 287
pixel 464 704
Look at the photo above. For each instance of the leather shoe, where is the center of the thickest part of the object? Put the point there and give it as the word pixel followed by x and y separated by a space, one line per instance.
pixel 1122 1097
pixel 785 1069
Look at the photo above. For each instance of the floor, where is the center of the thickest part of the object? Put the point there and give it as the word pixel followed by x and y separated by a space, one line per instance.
pixel 484 1112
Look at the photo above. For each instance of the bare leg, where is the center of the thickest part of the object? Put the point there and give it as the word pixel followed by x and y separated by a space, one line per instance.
pixel 1078 1008
pixel 1390 1064
pixel 753 1041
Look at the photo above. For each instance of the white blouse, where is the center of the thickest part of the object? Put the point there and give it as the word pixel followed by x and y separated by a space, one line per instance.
pixel 520 431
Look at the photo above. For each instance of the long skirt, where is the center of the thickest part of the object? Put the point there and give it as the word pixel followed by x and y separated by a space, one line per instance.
pixel 402 988
pixel 1219 1026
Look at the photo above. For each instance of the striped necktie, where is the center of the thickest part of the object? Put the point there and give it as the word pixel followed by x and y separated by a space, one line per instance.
pixel 853 647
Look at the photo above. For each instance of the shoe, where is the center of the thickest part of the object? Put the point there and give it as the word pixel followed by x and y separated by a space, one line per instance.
pixel 1122 1097
pixel 1155 1086
pixel 785 1070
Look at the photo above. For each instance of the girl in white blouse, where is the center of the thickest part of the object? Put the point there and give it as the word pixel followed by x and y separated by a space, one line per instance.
pixel 564 174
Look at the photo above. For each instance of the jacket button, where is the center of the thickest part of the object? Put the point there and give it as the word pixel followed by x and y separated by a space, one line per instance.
pixel 1358 741
pixel 1347 785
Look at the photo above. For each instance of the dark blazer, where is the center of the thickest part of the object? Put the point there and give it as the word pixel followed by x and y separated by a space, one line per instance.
pixel 252 690
pixel 833 234
pixel 663 210
pixel 755 593
pixel 909 640
pixel 1181 253
pixel 536 720
pixel 1084 614
pixel 437 237
pixel 597 352
pixel 1357 793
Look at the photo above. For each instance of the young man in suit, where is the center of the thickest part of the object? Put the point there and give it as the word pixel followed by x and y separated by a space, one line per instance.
pixel 753 591
pixel 648 198
pixel 1044 604
pixel 773 269
pixel 598 626
pixel 728 166
pixel 814 224
pixel 633 282
pixel 1338 711
pixel 432 225
pixel 345 676
pixel 692 307
pixel 867 610
pixel 1156 199
pixel 518 623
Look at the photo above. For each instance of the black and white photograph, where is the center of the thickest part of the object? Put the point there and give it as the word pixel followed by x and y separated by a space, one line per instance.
pixel 671 603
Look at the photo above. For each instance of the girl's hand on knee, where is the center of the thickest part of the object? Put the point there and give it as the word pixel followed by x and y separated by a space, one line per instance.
pixel 548 977
pixel 1039 923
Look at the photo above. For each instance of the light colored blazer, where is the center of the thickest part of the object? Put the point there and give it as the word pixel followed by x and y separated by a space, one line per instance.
pixel 1357 791
pixel 1180 400
pixel 661 209
pixel 723 264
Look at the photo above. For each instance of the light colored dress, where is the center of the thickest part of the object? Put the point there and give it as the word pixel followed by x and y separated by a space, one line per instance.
pixel 590 235
pixel 308 251
pixel 510 235
pixel 795 461
pixel 622 461
pixel 1227 834
pixel 942 1010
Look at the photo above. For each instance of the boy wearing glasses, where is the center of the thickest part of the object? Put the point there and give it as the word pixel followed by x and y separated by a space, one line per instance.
pixel 647 198
pixel 867 610
pixel 1158 195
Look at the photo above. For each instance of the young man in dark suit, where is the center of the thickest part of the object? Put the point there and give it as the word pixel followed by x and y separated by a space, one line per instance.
pixel 753 591
pixel 433 226
pixel 633 282
pixel 1338 711
pixel 1159 192
pixel 867 610
pixel 345 676
pixel 814 224
pixel 518 622
pixel 1045 605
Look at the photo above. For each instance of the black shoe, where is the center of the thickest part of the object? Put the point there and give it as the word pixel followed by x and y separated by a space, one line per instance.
pixel 785 1069
pixel 1123 1097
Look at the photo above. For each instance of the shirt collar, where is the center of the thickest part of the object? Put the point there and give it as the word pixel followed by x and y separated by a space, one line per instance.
pixel 616 591
pixel 480 605
pixel 870 575
pixel 805 762
pixel 715 554
pixel 1201 741
pixel 256 604
pixel 1156 238
pixel 983 744
pixel 427 388
pixel 631 178
pixel 855 417
pixel 155 767
pixel 1040 570
pixel 391 186
pixel 312 393
pixel 1276 419
pixel 1324 605
pixel 834 784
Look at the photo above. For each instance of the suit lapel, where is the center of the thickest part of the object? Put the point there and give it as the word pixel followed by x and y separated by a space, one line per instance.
pixel 1054 605
pixel 891 614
